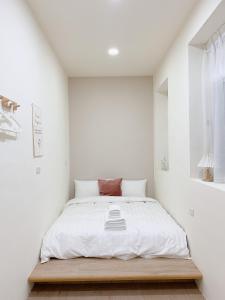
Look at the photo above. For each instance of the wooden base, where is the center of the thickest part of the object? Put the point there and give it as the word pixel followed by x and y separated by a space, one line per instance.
pixel 86 270
pixel 109 291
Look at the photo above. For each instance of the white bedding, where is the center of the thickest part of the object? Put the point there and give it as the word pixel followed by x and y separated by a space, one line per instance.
pixel 79 231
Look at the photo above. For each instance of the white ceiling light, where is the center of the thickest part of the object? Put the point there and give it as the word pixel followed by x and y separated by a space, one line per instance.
pixel 113 51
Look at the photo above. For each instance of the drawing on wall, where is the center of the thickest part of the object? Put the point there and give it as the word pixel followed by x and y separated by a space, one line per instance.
pixel 37 131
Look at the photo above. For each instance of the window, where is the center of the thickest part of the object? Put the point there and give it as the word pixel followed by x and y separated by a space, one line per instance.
pixel 207 107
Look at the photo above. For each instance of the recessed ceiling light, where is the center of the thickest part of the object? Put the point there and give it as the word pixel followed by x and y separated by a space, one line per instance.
pixel 113 51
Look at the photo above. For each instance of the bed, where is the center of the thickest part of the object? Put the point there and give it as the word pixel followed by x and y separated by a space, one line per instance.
pixel 79 231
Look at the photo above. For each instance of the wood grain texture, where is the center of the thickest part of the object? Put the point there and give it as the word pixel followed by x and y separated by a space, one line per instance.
pixel 129 291
pixel 81 270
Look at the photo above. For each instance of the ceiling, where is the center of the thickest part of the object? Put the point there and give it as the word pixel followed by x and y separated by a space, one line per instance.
pixel 81 31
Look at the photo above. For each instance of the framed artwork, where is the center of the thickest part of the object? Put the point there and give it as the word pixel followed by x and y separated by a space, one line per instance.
pixel 37 131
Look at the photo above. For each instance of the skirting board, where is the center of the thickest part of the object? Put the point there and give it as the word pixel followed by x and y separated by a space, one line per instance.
pixel 97 270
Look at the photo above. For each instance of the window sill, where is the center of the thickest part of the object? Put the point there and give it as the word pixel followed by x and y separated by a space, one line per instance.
pixel 217 186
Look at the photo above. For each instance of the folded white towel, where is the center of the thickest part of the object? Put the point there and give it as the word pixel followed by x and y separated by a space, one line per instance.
pixel 121 228
pixel 120 225
pixel 115 222
pixel 114 211
pixel 114 214
pixel 114 219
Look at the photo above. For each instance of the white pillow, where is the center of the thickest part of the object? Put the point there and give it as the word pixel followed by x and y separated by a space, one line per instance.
pixel 134 188
pixel 86 188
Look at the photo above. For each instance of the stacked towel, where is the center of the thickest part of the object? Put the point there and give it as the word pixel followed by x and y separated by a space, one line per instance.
pixel 115 221
pixel 114 211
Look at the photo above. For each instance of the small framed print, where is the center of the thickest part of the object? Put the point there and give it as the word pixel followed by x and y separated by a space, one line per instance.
pixel 37 131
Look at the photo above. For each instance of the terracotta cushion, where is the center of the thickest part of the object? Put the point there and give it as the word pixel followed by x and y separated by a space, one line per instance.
pixel 110 187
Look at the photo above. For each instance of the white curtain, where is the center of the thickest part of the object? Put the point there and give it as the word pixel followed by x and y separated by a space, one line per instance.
pixel 213 102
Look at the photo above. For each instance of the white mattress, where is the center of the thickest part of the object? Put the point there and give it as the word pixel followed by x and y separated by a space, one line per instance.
pixel 79 231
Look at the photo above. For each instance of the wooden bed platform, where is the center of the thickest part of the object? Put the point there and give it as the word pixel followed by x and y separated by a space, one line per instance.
pixel 117 291
pixel 94 270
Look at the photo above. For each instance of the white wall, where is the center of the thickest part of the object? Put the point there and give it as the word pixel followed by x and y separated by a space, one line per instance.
pixel 195 109
pixel 29 72
pixel 177 191
pixel 111 128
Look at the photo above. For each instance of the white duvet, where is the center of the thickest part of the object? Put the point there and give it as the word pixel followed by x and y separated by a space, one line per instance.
pixel 79 231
